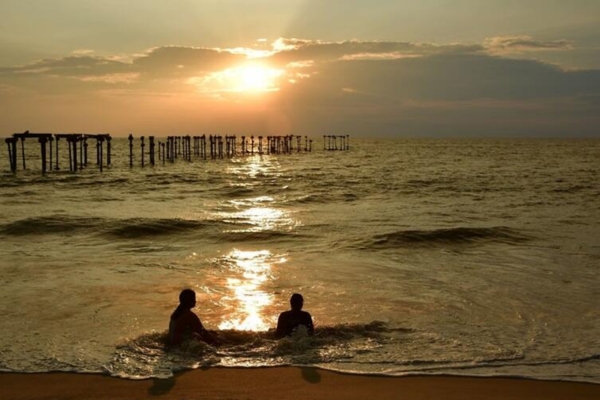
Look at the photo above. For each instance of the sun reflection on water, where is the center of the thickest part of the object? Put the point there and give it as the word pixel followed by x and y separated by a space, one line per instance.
pixel 249 297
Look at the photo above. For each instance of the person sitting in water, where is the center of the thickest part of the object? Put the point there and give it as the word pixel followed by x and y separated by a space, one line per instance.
pixel 185 324
pixel 290 320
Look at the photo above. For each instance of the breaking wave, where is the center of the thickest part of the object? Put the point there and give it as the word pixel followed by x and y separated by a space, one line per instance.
pixel 452 236
pixel 150 355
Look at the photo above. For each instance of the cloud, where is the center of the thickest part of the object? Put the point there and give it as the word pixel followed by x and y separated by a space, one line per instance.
pixel 525 43
pixel 70 66
pixel 348 86
pixel 171 60
pixel 294 50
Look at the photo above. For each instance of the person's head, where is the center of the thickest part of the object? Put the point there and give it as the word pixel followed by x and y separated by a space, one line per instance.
pixel 187 298
pixel 296 301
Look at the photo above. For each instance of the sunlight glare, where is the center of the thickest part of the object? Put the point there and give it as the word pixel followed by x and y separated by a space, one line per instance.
pixel 247 78
pixel 255 78
pixel 249 296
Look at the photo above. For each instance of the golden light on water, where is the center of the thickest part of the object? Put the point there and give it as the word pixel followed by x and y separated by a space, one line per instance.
pixel 249 296
pixel 250 280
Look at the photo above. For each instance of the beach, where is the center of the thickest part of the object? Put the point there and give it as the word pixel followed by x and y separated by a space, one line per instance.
pixel 284 383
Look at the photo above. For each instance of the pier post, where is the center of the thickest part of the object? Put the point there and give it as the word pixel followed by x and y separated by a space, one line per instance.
pixel 43 141
pixel 57 168
pixel 23 150
pixel 80 142
pixel 220 139
pixel 142 147
pixel 188 143
pixel 108 161
pixel 12 153
pixel 99 145
pixel 173 148
pixel 75 141
pixel 70 154
pixel 50 145
pixel 151 139
pixel 130 150
pixel 85 151
pixel 101 153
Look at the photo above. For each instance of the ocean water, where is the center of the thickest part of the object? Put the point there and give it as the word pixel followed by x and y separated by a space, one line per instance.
pixel 467 257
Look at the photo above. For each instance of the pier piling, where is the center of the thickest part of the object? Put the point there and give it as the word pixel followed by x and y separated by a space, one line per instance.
pixel 184 146
pixel 130 138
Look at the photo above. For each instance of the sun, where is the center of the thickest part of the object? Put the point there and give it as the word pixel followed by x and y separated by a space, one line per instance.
pixel 256 78
pixel 249 78
pixel 245 78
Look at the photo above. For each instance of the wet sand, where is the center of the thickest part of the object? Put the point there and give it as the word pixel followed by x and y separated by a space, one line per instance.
pixel 284 383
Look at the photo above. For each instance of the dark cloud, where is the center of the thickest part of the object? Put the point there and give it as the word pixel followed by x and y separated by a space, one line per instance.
pixel 171 60
pixel 526 43
pixel 448 77
pixel 70 66
pixel 302 50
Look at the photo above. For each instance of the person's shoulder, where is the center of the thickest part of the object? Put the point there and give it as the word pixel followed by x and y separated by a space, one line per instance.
pixel 285 314
pixel 189 314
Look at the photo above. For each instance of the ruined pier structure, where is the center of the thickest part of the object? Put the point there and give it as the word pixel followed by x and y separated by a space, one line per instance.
pixel 77 144
pixel 216 147
pixel 169 149
pixel 336 142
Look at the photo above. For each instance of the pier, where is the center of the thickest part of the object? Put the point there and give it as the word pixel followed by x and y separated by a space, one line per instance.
pixel 336 142
pixel 150 150
pixel 77 144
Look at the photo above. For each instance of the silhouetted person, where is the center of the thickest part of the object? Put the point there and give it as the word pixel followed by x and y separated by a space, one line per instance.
pixel 184 324
pixel 290 320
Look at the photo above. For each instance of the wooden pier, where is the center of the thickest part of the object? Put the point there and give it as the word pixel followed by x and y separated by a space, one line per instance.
pixel 77 146
pixel 153 151
pixel 336 142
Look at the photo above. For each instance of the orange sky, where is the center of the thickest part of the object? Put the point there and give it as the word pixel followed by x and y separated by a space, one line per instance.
pixel 81 67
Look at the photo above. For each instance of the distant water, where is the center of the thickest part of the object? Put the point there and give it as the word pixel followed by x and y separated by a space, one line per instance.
pixel 469 257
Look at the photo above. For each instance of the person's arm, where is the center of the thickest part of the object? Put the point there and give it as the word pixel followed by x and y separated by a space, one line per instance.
pixel 196 324
pixel 280 332
pixel 204 334
pixel 309 324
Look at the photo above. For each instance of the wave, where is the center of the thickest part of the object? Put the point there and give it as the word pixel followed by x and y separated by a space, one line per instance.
pixel 453 236
pixel 257 236
pixel 49 225
pixel 130 228
pixel 137 228
pixel 338 347
pixel 150 355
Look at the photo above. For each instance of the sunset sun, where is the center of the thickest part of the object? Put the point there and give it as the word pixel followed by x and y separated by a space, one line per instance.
pixel 246 78
pixel 255 78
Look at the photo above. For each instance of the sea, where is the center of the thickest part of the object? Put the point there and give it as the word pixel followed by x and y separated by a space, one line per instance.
pixel 469 257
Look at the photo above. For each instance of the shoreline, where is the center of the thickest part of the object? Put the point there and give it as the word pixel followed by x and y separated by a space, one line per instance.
pixel 284 383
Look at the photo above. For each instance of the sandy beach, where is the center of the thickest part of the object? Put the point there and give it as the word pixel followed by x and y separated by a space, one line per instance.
pixel 284 383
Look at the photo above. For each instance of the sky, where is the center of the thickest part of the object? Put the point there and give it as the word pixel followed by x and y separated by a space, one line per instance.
pixel 427 68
